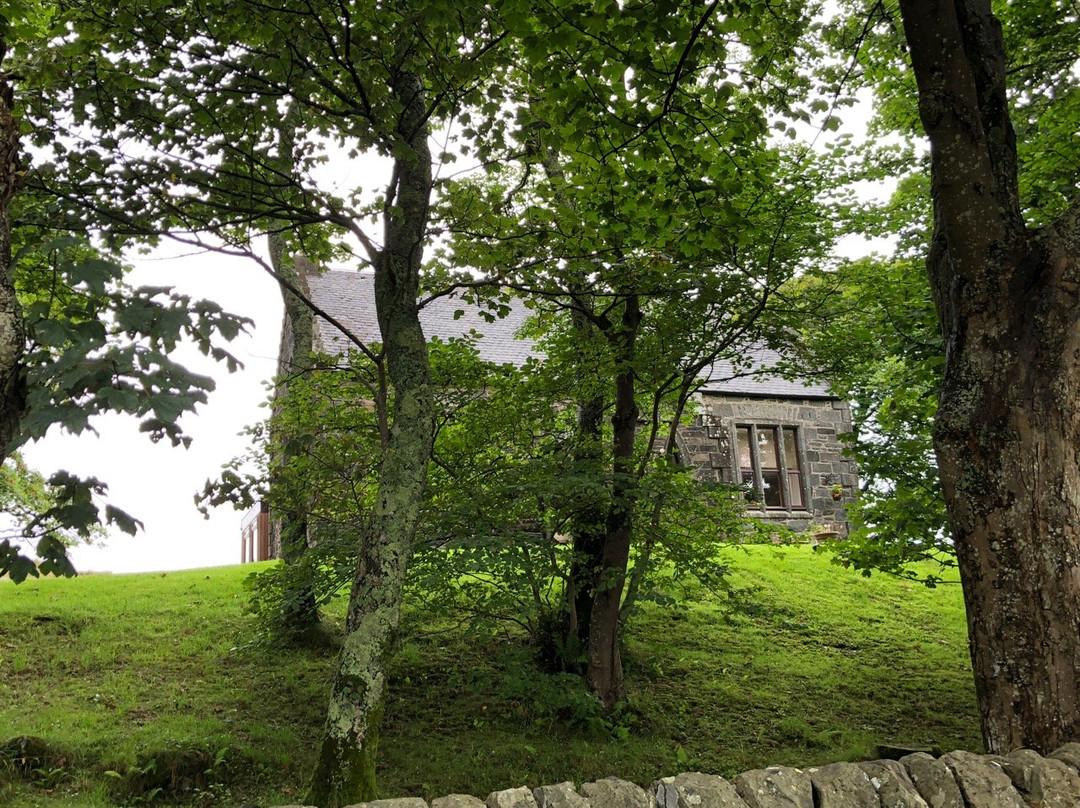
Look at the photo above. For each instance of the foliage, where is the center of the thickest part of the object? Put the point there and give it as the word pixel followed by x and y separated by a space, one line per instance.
pixel 890 372
pixel 1041 43
pixel 96 345
pixel 93 345
pixel 316 456
pixel 870 328
pixel 49 516
pixel 236 111
pixel 505 484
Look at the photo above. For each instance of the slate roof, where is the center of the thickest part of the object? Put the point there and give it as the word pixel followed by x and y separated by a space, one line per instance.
pixel 349 297
pixel 752 378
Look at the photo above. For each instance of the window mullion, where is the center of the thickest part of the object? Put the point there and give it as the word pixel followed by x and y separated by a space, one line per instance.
pixel 781 457
pixel 755 462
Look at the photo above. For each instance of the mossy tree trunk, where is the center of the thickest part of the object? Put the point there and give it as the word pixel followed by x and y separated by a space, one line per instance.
pixel 12 329
pixel 345 772
pixel 1007 433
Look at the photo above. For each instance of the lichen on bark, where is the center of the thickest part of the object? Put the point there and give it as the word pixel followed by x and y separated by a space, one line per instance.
pixel 12 328
pixel 1008 425
pixel 345 772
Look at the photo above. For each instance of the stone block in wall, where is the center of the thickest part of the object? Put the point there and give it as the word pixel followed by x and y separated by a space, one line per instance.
pixel 1042 782
pixel 457 801
pixel 511 798
pixel 893 784
pixel 1069 753
pixel 560 795
pixel 696 790
pixel 982 781
pixel 775 787
pixel 611 792
pixel 842 785
pixel 934 780
pixel 399 802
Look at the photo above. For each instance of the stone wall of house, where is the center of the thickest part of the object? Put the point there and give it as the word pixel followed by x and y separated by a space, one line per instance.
pixel 1021 779
pixel 709 446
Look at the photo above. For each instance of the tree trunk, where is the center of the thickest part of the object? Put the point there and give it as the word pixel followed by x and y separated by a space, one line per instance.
pixel 299 616
pixel 1007 432
pixel 345 772
pixel 605 672
pixel 589 522
pixel 1007 436
pixel 12 328
pixel 588 528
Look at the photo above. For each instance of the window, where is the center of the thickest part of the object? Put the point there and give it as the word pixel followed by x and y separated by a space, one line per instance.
pixel 769 466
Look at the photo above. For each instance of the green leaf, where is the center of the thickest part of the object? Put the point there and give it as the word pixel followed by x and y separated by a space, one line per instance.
pixel 123 520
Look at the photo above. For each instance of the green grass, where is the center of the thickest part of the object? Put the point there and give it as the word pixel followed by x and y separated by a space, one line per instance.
pixel 155 674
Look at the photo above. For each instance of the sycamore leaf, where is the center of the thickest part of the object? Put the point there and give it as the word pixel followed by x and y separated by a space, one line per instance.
pixel 15 565
pixel 122 519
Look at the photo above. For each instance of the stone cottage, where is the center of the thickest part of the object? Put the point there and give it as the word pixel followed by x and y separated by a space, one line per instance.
pixel 778 437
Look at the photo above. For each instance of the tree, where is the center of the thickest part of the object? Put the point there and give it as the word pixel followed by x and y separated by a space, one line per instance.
pixel 77 341
pixel 650 213
pixel 202 90
pixel 298 616
pixel 1004 265
pixel 869 327
pixel 12 328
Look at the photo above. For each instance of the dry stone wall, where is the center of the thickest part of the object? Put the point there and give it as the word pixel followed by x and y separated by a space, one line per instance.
pixel 1021 779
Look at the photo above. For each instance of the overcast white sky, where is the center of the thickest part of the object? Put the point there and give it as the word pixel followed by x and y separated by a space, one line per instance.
pixel 157 482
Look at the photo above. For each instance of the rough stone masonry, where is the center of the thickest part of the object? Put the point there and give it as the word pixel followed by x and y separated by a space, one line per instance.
pixel 1021 779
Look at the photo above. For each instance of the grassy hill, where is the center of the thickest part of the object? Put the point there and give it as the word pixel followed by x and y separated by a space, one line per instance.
pixel 148 687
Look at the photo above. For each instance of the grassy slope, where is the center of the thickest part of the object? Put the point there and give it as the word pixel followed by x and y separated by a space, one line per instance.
pixel 820 665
